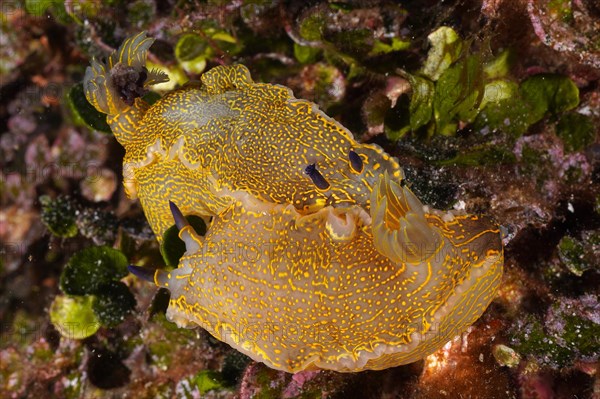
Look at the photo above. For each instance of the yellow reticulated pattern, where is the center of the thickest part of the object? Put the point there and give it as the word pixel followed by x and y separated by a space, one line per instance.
pixel 277 286
pixel 236 136
pixel 318 255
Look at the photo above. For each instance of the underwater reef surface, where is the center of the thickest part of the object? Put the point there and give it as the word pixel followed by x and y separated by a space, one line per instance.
pixel 492 107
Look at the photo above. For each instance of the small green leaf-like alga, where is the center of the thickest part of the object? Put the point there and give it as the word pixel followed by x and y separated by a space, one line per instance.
pixel 90 268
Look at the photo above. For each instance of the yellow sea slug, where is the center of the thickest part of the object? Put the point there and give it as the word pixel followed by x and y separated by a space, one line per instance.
pixel 207 142
pixel 318 255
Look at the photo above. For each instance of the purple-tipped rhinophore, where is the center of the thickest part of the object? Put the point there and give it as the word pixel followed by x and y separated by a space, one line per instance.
pixel 180 220
pixel 142 272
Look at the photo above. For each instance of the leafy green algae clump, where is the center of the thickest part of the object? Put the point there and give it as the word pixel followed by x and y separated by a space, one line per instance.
pixel 94 294
pixel 458 86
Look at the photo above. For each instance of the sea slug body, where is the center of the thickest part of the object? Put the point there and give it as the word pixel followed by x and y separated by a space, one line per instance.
pixel 318 255
pixel 228 136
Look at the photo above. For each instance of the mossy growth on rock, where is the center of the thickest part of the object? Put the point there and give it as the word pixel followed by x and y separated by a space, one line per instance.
pixel 569 332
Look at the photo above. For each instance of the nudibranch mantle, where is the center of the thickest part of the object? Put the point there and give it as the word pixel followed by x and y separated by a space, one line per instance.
pixel 318 255
pixel 301 292
pixel 230 134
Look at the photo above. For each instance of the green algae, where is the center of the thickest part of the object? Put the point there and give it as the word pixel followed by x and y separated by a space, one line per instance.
pixel 453 86
pixel 59 215
pixel 74 385
pixel 564 339
pixel 191 52
pixel 580 255
pixel 112 303
pixel 64 217
pixel 548 93
pixel 270 385
pixel 576 131
pixel 91 281
pixel 457 86
pixel 421 101
pixel 507 115
pixel 84 113
pixel 207 380
pixel 92 267
pixel 506 356
pixel 98 225
pixel 161 354
pixel 311 28
pixel 481 155
pixel 38 8
pixel 499 67
pixel 534 162
pixel 396 44
pixel 172 247
pixel 194 49
pixel 140 12
pixel 571 254
pixel 306 54
pixel 74 317
pixel 446 48
pixel 350 47
pixel 458 92
pixel 328 85
pixel 202 383
pixel 561 9
pixel 22 331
